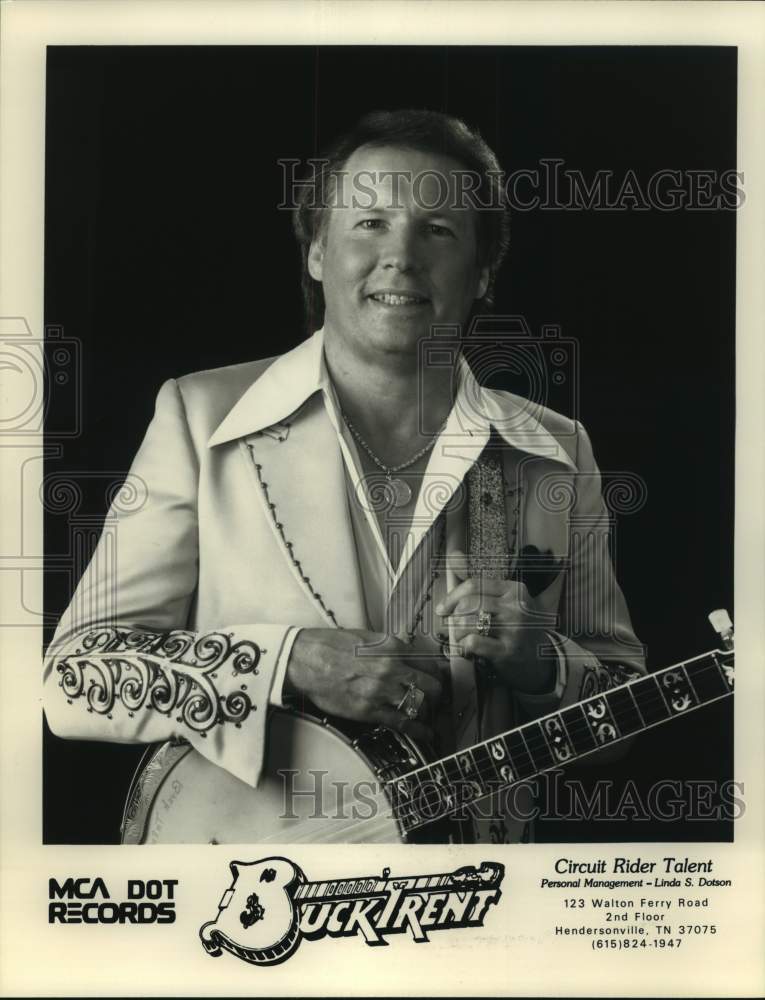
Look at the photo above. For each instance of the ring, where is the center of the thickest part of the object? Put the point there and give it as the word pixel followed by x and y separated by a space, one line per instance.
pixel 412 701
pixel 483 625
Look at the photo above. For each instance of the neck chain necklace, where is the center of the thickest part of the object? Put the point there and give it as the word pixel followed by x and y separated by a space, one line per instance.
pixel 400 491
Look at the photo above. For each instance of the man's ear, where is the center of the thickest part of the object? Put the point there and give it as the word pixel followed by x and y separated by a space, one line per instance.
pixel 316 259
pixel 483 281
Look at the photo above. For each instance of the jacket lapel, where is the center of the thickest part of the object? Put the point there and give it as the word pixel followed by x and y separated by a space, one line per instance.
pixel 290 446
pixel 302 490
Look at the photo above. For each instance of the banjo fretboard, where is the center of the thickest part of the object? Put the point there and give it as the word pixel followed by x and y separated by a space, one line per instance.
pixel 441 788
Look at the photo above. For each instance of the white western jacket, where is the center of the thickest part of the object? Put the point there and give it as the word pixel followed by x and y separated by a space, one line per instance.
pixel 243 533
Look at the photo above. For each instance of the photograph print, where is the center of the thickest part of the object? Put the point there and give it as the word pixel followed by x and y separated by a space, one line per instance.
pixel 392 488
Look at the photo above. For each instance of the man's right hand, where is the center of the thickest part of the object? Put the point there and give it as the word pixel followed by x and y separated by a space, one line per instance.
pixel 362 676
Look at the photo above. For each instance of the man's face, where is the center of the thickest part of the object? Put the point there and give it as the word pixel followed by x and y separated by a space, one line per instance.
pixel 392 270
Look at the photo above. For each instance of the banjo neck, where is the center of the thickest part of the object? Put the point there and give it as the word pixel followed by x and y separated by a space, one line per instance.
pixel 439 789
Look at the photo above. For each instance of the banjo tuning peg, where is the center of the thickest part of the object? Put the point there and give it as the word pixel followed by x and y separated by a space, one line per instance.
pixel 722 624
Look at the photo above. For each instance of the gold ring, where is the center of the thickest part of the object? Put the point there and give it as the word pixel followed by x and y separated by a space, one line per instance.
pixel 412 701
pixel 483 625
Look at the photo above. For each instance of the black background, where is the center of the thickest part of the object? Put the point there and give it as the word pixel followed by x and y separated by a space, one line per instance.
pixel 165 253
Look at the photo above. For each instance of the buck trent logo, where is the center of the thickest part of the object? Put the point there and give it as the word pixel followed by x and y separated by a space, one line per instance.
pixel 270 907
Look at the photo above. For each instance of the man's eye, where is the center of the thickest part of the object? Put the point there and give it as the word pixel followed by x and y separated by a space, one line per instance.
pixel 439 230
pixel 369 224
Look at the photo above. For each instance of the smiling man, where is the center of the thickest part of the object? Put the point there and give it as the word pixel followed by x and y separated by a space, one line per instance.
pixel 394 269
pixel 357 527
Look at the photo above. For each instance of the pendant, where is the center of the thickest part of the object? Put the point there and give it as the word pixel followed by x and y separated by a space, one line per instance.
pixel 400 493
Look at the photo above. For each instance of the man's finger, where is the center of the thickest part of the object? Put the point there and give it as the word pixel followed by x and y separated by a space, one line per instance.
pixel 457 562
pixel 377 644
pixel 431 687
pixel 474 645
pixel 425 664
pixel 473 587
pixel 389 688
pixel 465 616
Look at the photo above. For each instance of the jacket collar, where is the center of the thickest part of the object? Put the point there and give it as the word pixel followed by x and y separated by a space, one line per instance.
pixel 294 377
pixel 282 388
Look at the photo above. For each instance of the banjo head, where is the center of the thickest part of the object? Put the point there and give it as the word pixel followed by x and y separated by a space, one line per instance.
pixel 320 784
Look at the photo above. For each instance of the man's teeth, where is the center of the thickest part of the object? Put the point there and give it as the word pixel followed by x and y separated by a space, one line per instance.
pixel 397 300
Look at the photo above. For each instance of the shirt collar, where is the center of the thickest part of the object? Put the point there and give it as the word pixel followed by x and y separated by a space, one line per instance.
pixel 294 377
pixel 281 390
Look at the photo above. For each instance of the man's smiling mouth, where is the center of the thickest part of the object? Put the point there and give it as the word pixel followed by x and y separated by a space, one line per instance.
pixel 398 299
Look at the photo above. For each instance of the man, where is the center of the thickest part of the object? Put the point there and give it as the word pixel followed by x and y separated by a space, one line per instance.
pixel 310 522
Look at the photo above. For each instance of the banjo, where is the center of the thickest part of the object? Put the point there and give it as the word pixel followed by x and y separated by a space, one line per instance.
pixel 327 781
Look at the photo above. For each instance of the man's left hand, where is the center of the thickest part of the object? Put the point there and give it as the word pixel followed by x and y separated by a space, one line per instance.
pixel 512 646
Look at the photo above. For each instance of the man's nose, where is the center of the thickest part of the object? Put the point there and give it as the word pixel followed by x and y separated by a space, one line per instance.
pixel 401 250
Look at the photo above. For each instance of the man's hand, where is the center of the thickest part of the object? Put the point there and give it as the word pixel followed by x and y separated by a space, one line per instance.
pixel 511 647
pixel 361 676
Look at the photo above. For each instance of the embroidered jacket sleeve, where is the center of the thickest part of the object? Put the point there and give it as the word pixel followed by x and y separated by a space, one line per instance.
pixel 595 644
pixel 123 665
